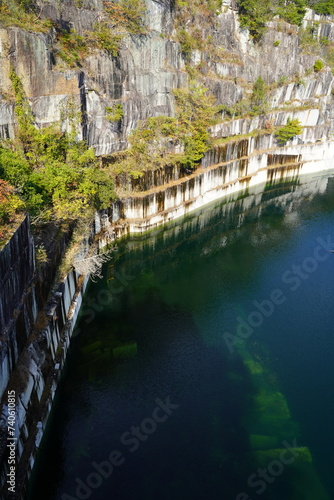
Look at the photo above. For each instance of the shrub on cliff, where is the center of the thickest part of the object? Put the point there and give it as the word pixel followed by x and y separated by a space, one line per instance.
pixel 114 113
pixel 292 11
pixel 127 14
pixel 288 131
pixel 10 203
pixel 117 20
pixel 254 14
pixel 195 114
pixel 23 14
pixel 10 206
pixel 153 143
pixel 325 7
pixel 259 104
pixel 54 174
pixel 318 65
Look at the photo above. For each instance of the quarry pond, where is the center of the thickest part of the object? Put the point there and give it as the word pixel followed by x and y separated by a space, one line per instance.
pixel 202 362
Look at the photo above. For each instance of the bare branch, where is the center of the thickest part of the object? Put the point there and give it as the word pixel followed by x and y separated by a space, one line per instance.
pixel 92 266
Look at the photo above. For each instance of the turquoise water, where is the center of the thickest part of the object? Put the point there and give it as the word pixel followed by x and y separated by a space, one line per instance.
pixel 165 396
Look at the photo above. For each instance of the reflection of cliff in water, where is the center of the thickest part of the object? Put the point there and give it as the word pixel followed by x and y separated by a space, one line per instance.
pixel 155 326
pixel 243 219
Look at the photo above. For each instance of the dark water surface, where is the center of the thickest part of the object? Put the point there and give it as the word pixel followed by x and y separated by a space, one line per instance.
pixel 163 383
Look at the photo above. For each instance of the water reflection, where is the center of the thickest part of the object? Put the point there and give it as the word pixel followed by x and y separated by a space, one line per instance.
pixel 160 334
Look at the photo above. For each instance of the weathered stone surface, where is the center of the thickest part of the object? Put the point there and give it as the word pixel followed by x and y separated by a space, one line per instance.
pixel 149 67
pixel 35 330
pixel 142 78
pixel 17 268
pixel 7 119
pixel 71 14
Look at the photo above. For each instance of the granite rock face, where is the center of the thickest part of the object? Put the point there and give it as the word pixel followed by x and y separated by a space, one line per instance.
pixel 17 315
pixel 142 78
pixel 148 68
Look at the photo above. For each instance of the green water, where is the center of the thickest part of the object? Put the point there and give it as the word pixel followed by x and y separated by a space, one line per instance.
pixel 165 396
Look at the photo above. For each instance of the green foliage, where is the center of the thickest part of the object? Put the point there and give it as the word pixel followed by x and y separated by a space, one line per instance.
pixel 22 110
pixel 114 113
pixel 10 203
pixel 121 18
pixel 57 175
pixel 147 146
pixel 26 5
pixel 40 255
pixel 254 14
pixel 208 7
pixel 259 97
pixel 276 43
pixel 196 27
pixel 282 80
pixel 288 131
pixel 308 40
pixel 299 80
pixel 53 173
pixel 128 15
pixel 257 104
pixel 292 11
pixel 324 41
pixel 14 167
pixel 103 38
pixel 195 113
pixel 153 142
pixel 318 65
pixel 135 11
pixel 325 7
pixel 187 41
pixel 73 47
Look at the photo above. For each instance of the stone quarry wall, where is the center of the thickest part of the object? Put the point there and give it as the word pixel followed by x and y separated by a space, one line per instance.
pixel 142 79
pixel 17 304
pixel 148 68
pixel 231 168
pixel 36 326
pixel 32 355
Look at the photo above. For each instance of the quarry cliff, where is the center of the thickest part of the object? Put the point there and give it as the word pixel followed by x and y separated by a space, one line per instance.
pixel 131 76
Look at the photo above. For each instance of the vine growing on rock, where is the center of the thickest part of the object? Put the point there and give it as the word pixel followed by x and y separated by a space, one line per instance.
pixel 258 101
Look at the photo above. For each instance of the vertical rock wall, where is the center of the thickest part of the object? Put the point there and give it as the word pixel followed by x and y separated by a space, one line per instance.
pixel 17 303
pixel 36 327
pixel 148 67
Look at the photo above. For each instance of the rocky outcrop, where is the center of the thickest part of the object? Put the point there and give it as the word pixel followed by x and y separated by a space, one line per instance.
pixel 148 68
pixel 17 306
pixel 226 170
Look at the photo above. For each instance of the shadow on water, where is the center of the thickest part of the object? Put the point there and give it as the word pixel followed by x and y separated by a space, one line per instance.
pixel 152 328
pixel 199 450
